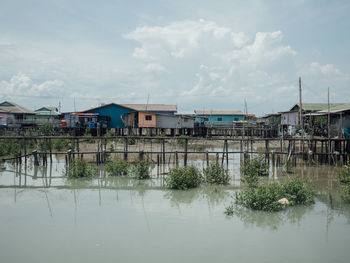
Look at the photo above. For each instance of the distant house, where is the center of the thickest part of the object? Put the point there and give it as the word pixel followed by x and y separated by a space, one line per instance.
pixel 82 119
pixel 153 108
pixel 273 119
pixel 47 116
pixel 291 117
pixel 14 115
pixel 218 117
pixel 116 113
pixel 156 120
pixel 339 119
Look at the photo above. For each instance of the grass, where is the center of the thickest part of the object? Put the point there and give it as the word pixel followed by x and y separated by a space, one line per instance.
pixel 80 169
pixel 183 178
pixel 216 174
pixel 117 167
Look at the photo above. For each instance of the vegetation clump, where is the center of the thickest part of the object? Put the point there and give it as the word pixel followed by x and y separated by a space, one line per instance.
pixel 61 144
pixel 80 169
pixel 344 178
pixel 256 166
pixel 216 174
pixel 344 174
pixel 266 196
pixel 9 147
pixel 183 178
pixel 117 167
pixel 141 170
pixel 345 193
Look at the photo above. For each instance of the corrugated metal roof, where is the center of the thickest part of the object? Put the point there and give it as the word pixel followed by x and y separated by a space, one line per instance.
pixel 12 107
pixel 141 107
pixel 337 108
pixel 219 112
pixel 151 107
pixel 315 106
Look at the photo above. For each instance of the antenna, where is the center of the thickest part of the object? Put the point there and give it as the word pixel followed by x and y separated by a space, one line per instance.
pixel 147 101
pixel 74 106
pixel 59 106
pixel 329 118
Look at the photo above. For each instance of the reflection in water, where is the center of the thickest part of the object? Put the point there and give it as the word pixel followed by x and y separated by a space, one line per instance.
pixel 252 218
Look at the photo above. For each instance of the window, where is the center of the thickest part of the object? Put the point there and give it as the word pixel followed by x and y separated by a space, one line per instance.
pixel 235 119
pixel 148 117
pixel 219 119
pixel 185 120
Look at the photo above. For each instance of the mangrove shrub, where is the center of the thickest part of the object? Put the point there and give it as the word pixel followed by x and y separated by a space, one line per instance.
pixel 141 170
pixel 117 167
pixel 255 166
pixel 183 178
pixel 216 174
pixel 80 169
pixel 344 174
pixel 265 197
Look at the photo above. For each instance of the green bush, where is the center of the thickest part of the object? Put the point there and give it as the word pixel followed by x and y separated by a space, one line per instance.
pixel 252 169
pixel 183 178
pixel 288 166
pixel 265 197
pixel 216 174
pixel 9 147
pixel 47 130
pixel 344 174
pixel 80 169
pixel 255 166
pixel 251 180
pixel 141 170
pixel 117 167
pixel 345 193
pixel 61 144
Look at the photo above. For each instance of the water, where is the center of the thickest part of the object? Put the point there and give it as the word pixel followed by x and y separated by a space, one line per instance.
pixel 47 218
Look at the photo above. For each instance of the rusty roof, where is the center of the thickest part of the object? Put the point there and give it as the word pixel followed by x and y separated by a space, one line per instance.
pixel 11 107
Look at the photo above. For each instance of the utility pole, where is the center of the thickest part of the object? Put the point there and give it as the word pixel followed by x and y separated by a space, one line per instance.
pixel 329 119
pixel 301 121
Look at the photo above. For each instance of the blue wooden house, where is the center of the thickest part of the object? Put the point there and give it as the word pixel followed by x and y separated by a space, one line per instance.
pixel 115 114
pixel 218 117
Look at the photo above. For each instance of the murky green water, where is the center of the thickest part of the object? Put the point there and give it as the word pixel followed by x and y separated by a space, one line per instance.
pixel 46 218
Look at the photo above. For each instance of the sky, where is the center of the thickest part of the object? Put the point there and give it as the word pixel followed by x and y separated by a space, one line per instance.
pixel 198 54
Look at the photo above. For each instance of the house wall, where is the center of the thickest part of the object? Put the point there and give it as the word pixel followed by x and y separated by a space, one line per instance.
pixel 214 119
pixel 115 113
pixel 174 122
pixel 290 118
pixel 143 123
pixel 3 118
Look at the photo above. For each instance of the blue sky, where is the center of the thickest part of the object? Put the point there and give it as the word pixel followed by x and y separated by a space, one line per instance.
pixel 197 54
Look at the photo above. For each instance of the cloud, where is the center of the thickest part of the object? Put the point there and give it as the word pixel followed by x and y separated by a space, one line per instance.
pixel 154 67
pixel 328 69
pixel 179 39
pixel 215 60
pixel 20 84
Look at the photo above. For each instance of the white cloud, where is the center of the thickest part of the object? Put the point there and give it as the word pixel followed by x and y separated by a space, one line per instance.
pixel 21 84
pixel 328 69
pixel 216 60
pixel 179 39
pixel 154 67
